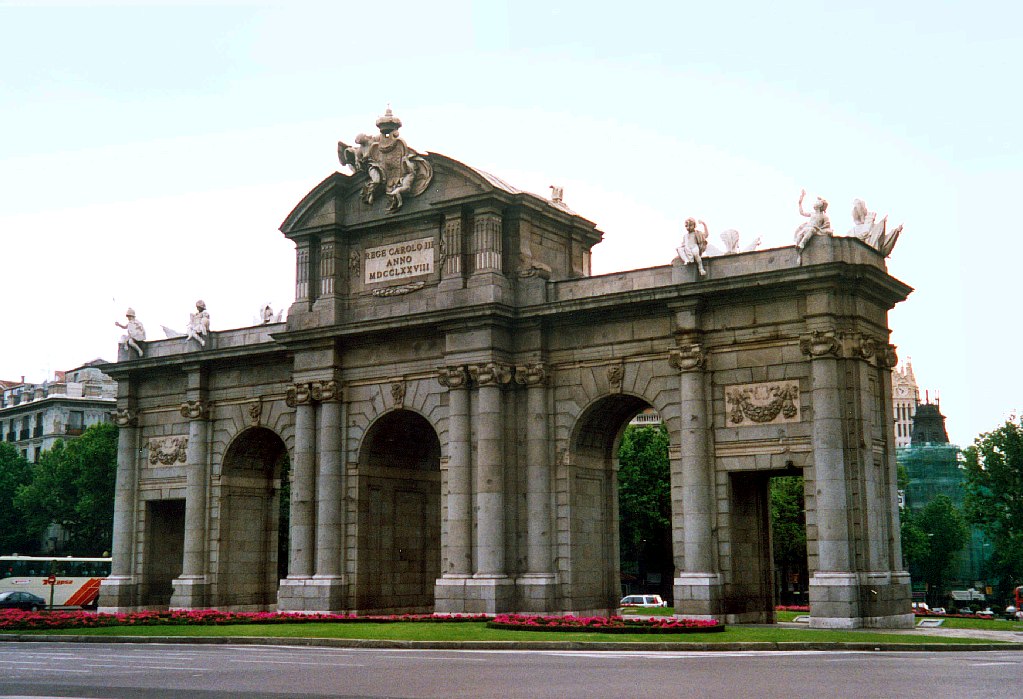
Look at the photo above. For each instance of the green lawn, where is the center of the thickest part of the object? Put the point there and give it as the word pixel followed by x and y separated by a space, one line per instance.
pixel 477 631
pixel 649 611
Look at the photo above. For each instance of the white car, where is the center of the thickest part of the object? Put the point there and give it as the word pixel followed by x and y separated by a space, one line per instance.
pixel 642 601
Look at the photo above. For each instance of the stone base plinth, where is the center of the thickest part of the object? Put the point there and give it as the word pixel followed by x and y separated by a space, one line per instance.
pixel 118 594
pixel 475 595
pixel 536 593
pixel 860 600
pixel 698 596
pixel 312 594
pixel 190 593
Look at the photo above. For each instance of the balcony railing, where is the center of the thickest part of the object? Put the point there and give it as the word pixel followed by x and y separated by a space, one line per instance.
pixel 73 431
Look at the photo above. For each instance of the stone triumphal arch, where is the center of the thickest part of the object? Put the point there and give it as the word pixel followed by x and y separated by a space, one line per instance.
pixel 444 402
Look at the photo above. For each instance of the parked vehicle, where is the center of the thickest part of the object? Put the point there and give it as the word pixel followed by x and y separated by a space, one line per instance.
pixel 642 601
pixel 21 600
pixel 938 610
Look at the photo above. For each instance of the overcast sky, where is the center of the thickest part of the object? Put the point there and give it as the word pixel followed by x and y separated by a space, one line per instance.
pixel 148 153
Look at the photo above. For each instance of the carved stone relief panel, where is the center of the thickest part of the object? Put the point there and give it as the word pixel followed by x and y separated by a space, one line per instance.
pixel 769 403
pixel 167 451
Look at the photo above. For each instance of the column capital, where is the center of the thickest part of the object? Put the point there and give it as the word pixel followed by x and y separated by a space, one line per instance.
pixel 125 417
pixel 688 357
pixel 537 374
pixel 299 394
pixel 325 391
pixel 196 410
pixel 820 344
pixel 453 376
pixel 491 373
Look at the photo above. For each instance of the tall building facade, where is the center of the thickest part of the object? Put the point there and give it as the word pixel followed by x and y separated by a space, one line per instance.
pixel 34 416
pixel 905 398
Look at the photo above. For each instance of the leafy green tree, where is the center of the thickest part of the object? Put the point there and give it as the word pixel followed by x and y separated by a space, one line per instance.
pixel 994 498
pixel 946 534
pixel 73 486
pixel 914 542
pixel 15 472
pixel 644 501
pixel 788 530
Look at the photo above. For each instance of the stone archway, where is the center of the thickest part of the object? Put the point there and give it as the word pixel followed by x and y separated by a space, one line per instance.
pixel 398 537
pixel 249 518
pixel 593 497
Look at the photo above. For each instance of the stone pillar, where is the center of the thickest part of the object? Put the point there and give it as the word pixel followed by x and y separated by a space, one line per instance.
pixel 303 486
pixel 293 594
pixel 491 576
pixel 536 587
pixel 329 581
pixel 191 586
pixel 119 590
pixel 698 586
pixel 449 592
pixel 834 589
pixel 302 270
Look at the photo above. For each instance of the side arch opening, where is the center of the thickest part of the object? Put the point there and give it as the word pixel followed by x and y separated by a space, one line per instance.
pixel 399 516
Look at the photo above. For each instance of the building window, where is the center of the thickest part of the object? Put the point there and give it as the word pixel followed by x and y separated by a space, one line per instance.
pixel 38 431
pixel 76 422
pixel 35 455
pixel 24 428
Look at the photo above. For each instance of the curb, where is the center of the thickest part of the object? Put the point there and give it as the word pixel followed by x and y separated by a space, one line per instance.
pixel 518 645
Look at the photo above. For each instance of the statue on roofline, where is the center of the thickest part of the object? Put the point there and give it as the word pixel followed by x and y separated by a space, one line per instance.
pixel 874 233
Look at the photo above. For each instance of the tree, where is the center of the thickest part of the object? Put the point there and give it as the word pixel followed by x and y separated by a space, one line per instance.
pixel 15 534
pixel 946 534
pixel 788 530
pixel 73 486
pixel 644 501
pixel 994 498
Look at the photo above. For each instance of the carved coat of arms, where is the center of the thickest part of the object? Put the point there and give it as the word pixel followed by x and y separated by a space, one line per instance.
pixel 393 169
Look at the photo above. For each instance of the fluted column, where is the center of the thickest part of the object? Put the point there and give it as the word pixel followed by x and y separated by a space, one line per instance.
pixel 459 475
pixel 487 241
pixel 490 531
pixel 451 245
pixel 124 493
pixel 303 533
pixel 832 505
pixel 697 471
pixel 538 469
pixel 118 591
pixel 329 482
pixel 194 558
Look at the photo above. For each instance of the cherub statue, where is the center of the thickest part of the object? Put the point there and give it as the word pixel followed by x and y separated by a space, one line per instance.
pixel 819 223
pixel 361 158
pixel 694 244
pixel 408 177
pixel 135 332
pixel 199 324
pixel 874 233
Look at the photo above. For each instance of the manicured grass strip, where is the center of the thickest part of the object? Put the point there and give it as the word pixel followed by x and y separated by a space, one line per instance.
pixel 477 631
pixel 649 611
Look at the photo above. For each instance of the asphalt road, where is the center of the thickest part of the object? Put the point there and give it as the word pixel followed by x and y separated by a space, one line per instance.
pixel 156 671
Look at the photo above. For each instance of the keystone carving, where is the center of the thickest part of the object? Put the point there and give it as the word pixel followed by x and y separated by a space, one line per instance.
pixel 762 403
pixel 532 374
pixel 195 410
pixel 398 393
pixel 255 412
pixel 820 344
pixel 688 357
pixel 168 450
pixel 453 376
pixel 615 375
pixel 125 417
pixel 490 373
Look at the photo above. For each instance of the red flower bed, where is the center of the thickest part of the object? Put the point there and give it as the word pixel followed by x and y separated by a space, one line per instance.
pixel 15 620
pixel 614 624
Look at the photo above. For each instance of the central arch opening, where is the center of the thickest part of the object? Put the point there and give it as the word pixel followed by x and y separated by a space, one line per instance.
pixel 596 542
pixel 399 521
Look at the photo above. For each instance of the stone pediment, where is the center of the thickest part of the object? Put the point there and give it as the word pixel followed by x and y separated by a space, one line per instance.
pixel 338 200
